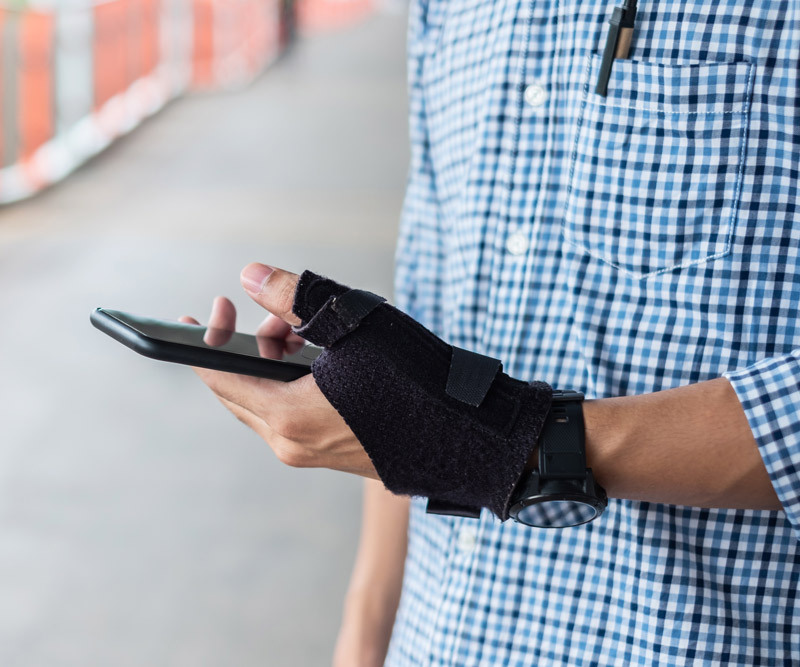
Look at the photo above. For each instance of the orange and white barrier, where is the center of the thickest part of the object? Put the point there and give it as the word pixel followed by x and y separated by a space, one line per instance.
pixel 234 40
pixel 76 74
pixel 76 77
pixel 25 113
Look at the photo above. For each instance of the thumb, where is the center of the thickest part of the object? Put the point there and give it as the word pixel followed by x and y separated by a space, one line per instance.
pixel 272 289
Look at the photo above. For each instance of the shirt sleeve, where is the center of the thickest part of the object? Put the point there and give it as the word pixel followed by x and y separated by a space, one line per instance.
pixel 419 262
pixel 769 392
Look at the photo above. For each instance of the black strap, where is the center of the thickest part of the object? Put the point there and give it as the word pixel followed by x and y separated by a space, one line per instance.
pixel 339 316
pixel 470 376
pixel 451 509
pixel 562 449
pixel 354 305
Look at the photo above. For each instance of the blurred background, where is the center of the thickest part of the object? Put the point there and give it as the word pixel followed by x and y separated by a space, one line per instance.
pixel 149 149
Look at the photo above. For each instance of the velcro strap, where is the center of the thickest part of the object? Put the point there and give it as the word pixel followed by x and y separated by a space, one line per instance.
pixel 339 316
pixel 471 375
pixel 452 509
pixel 354 305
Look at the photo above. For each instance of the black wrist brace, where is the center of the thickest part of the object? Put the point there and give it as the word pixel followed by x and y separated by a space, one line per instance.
pixel 435 420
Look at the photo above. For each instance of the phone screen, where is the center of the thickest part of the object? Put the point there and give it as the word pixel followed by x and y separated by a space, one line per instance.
pixel 219 339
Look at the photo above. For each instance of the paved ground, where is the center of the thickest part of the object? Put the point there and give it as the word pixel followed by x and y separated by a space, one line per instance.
pixel 140 524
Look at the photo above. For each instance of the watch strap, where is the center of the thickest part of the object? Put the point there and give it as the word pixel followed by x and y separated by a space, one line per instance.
pixel 562 443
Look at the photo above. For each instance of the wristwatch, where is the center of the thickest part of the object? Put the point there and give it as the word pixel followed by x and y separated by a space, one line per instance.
pixel 562 491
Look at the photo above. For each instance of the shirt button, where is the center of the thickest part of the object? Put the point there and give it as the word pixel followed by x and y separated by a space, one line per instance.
pixel 535 95
pixel 517 244
pixel 467 539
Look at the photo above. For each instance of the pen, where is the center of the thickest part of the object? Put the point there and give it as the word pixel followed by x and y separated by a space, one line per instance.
pixel 618 44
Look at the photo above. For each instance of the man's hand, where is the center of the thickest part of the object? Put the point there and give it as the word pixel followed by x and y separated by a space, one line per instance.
pixel 436 421
pixel 293 418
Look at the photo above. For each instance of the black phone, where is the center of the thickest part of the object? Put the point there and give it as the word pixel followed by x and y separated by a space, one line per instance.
pixel 217 349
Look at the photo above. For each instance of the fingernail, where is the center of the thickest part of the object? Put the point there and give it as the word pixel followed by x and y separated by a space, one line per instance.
pixel 254 276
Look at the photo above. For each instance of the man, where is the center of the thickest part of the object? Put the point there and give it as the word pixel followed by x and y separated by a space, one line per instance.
pixel 641 246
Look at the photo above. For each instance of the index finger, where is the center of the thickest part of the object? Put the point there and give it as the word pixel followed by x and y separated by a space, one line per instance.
pixel 264 397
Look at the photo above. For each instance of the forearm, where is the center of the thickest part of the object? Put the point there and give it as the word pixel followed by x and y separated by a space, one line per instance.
pixel 686 446
pixel 376 582
pixel 382 546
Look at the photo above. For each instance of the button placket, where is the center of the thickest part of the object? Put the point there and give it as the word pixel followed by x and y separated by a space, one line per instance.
pixel 467 539
pixel 517 243
pixel 535 94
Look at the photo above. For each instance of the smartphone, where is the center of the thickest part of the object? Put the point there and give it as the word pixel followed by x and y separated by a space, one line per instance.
pixel 217 349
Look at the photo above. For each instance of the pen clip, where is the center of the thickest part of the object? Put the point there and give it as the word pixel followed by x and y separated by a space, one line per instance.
pixel 618 42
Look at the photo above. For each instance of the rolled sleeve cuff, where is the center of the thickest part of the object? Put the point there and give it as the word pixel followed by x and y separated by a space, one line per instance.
pixel 769 392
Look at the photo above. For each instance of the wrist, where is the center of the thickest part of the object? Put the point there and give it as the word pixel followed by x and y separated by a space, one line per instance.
pixel 560 491
pixel 605 431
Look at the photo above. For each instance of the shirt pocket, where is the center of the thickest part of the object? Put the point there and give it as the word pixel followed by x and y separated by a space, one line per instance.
pixel 657 165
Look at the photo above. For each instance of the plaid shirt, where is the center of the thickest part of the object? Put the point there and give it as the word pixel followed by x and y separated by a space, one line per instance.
pixel 617 245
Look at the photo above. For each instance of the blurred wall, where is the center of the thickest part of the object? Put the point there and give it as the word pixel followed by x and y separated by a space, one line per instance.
pixel 76 75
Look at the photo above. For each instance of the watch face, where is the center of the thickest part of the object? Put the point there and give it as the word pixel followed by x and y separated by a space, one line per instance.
pixel 557 513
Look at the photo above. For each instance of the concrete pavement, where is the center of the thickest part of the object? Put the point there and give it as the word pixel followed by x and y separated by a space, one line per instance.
pixel 140 524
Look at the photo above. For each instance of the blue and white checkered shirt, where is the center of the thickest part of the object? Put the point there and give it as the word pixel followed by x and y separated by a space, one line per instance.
pixel 617 245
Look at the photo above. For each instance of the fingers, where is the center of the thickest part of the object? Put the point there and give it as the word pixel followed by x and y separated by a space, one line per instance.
pixel 246 417
pixel 223 314
pixel 293 346
pixel 188 320
pixel 272 289
pixel 221 323
pixel 270 348
pixel 274 327
pixel 267 398
pixel 284 449
pixel 273 330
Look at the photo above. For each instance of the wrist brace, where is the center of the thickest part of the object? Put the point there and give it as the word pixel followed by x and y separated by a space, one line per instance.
pixel 435 420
